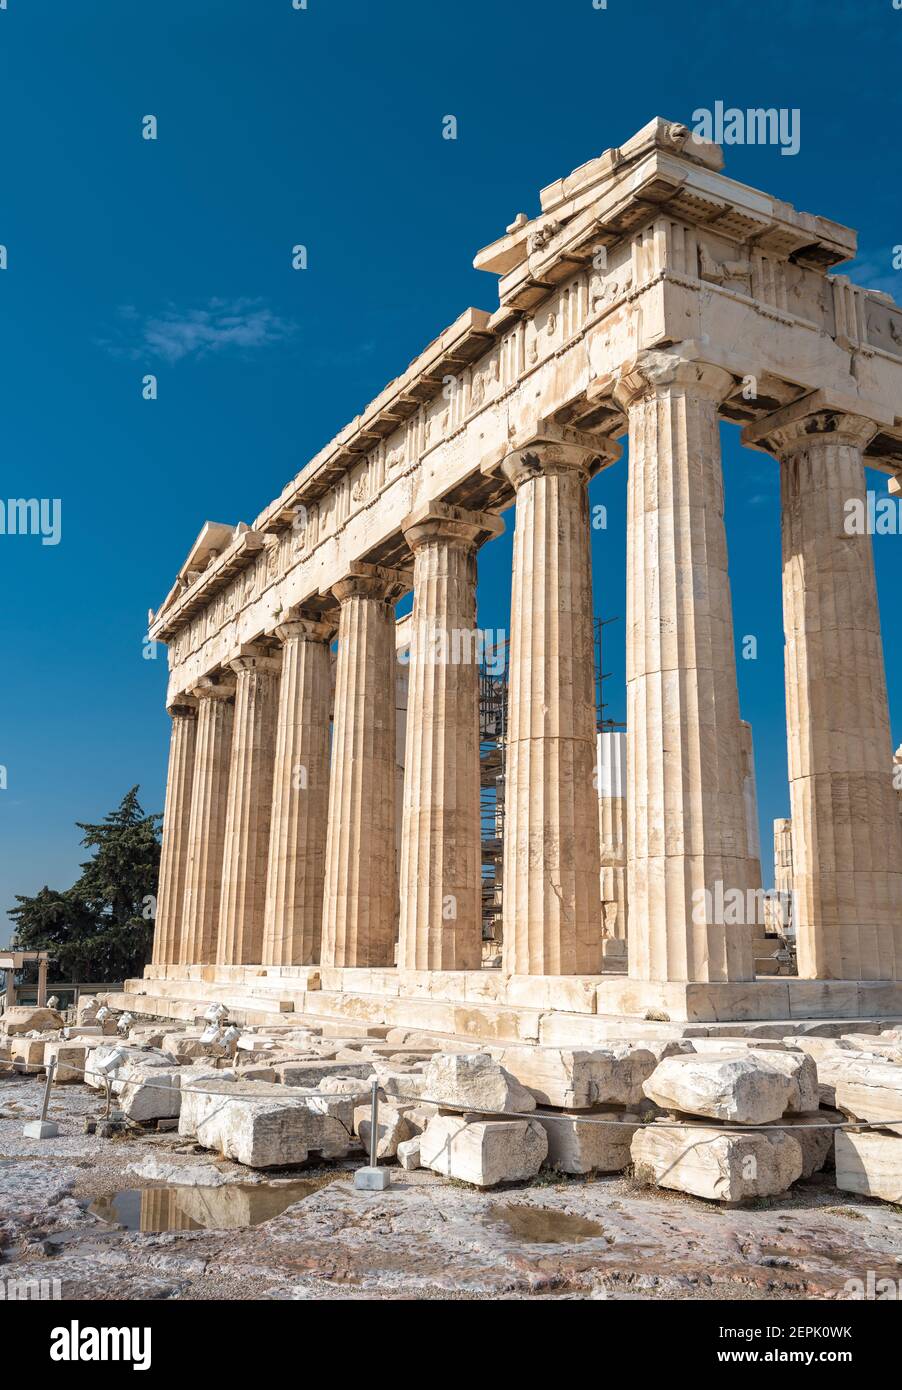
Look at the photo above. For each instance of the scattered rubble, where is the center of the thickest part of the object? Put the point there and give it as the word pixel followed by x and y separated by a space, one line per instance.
pixel 274 1097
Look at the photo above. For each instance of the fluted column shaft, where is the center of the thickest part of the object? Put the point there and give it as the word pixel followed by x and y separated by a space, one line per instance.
pixel 176 817
pixel 249 810
pixel 686 815
pixel 612 816
pixel 551 910
pixel 360 884
pixel 440 875
pixel 206 822
pixel 297 838
pixel 846 835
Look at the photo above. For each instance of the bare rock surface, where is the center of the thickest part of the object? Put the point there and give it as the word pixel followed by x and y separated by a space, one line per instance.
pixel 423 1238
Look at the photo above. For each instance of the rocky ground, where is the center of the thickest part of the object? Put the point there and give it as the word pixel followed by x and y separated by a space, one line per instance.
pixel 426 1237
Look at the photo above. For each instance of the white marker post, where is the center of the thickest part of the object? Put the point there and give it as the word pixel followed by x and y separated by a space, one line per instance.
pixel 373 1178
pixel 44 1128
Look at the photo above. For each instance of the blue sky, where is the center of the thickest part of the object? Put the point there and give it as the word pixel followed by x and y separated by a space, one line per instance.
pixel 323 127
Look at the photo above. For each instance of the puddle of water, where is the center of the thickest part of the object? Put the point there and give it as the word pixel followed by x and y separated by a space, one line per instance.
pixel 544 1225
pixel 184 1208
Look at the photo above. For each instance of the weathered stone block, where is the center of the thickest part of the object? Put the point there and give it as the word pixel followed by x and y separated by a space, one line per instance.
pixel 708 1163
pixel 264 1126
pixel 27 1052
pixel 600 1144
pixel 26 1018
pixel 70 1061
pixel 393 1128
pixel 148 1093
pixel 474 1081
pixel 409 1153
pixel 816 1143
pixel 870 1163
pixel 867 1088
pixel 483 1152
pixel 748 1089
pixel 314 1072
pixel 137 1056
pixel 801 1070
pixel 575 1080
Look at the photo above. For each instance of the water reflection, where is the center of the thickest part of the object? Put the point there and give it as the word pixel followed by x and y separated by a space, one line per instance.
pixel 183 1208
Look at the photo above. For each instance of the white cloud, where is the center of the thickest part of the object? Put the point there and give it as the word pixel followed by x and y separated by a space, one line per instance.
pixel 221 325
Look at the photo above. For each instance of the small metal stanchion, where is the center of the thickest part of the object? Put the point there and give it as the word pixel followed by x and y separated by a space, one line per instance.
pixel 373 1178
pixel 44 1128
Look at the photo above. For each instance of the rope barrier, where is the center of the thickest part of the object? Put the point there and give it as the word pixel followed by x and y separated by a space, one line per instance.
pixel 692 1121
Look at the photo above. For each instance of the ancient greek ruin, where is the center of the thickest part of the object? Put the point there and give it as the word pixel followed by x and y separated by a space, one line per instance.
pixel 322 840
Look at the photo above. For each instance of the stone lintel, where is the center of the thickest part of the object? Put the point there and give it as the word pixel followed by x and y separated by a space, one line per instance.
pixel 820 412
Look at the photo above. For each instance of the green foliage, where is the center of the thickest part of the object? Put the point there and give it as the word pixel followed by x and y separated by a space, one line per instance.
pixel 97 929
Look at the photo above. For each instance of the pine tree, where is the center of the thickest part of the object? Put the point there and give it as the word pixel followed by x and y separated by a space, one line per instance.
pixel 101 928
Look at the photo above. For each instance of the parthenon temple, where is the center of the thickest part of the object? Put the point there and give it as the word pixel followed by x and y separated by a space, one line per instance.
pixel 322 849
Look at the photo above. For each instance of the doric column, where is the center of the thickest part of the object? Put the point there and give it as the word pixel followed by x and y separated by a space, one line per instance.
pixel 846 838
pixel 176 817
pixel 440 877
pixel 249 808
pixel 686 840
pixel 611 778
pixel 750 800
pixel 551 910
pixel 206 822
pixel 297 839
pixel 360 883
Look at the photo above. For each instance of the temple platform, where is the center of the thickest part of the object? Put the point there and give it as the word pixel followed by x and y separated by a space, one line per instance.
pixel 562 1011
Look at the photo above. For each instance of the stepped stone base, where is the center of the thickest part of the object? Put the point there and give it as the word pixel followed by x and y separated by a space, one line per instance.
pixel 559 1011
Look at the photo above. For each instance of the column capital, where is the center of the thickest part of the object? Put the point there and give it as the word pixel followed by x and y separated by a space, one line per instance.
pixel 301 627
pixel 548 447
pixel 372 581
pixel 182 707
pixel 456 525
pixel 656 370
pixel 223 688
pixel 827 415
pixel 252 656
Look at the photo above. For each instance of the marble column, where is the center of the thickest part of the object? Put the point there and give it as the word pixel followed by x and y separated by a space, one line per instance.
pixel 206 820
pixel 246 851
pixel 293 916
pixel 687 827
pixel 783 899
pixel 750 798
pixel 551 914
pixel 441 869
pixel 176 817
pixel 611 776
pixel 360 889
pixel 846 836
